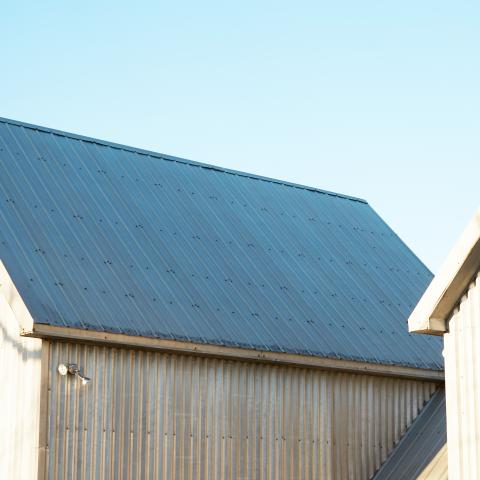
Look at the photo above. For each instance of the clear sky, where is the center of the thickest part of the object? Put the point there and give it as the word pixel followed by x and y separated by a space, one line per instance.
pixel 376 99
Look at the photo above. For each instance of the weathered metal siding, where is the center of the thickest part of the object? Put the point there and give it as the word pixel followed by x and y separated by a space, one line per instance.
pixel 462 377
pixel 20 364
pixel 150 415
pixel 422 451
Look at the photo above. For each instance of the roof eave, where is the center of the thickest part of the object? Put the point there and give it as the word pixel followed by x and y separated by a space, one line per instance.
pixel 431 314
pixel 51 332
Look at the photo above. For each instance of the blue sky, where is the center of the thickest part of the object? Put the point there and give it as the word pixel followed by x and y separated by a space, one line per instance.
pixel 379 100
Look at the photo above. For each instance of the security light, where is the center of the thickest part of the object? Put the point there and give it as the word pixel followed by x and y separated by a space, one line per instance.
pixel 72 369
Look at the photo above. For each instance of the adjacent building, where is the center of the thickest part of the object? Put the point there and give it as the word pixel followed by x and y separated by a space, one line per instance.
pixel 451 308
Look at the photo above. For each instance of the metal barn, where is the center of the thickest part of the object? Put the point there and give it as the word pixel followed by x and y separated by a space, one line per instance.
pixel 162 318
pixel 451 307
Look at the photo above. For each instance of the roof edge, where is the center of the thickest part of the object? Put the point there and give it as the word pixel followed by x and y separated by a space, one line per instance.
pixel 234 353
pixel 444 292
pixel 172 158
pixel 9 291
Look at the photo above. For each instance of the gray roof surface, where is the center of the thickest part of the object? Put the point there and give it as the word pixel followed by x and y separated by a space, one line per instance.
pixel 111 238
pixel 422 450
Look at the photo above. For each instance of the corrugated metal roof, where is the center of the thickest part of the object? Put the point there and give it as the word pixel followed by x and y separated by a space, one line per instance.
pixel 111 238
pixel 422 452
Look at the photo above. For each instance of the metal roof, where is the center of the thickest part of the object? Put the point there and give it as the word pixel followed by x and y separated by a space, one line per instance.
pixel 111 238
pixel 422 451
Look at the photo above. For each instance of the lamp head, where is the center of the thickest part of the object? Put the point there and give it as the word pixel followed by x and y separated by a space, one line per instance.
pixel 73 369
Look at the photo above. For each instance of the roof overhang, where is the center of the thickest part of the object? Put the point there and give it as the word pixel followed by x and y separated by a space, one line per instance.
pixel 437 303
pixel 13 302
pixel 120 340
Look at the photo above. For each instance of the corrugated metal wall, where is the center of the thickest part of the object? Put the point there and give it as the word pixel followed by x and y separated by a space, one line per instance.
pixel 462 377
pixel 422 452
pixel 150 415
pixel 20 368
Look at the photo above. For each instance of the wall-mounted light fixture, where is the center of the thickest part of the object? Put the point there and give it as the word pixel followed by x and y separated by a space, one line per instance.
pixel 72 369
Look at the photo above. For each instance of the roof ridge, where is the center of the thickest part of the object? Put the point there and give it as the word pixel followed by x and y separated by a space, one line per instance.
pixel 171 158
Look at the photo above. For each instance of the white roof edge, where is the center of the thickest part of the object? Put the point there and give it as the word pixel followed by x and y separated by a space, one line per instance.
pixel 445 290
pixel 14 300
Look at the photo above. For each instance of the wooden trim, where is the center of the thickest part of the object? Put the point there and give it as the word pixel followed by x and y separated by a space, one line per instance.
pixel 461 266
pixel 10 292
pixel 190 348
pixel 44 413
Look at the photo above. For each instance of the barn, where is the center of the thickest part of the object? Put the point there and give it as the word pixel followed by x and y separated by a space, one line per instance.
pixel 163 318
pixel 451 308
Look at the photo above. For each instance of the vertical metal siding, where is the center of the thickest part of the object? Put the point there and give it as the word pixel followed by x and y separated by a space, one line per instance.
pixel 422 452
pixel 150 415
pixel 462 377
pixel 20 367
